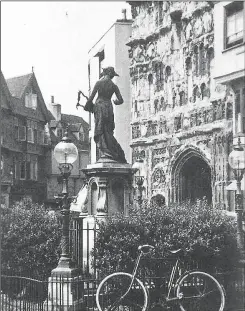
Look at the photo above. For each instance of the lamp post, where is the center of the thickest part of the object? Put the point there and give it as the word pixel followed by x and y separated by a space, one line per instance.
pixel 236 160
pixel 139 177
pixel 65 153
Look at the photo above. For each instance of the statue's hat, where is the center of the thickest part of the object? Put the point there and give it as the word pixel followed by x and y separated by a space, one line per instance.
pixel 110 71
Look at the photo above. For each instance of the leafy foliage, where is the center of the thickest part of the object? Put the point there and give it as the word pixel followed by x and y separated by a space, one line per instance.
pixel 205 234
pixel 30 239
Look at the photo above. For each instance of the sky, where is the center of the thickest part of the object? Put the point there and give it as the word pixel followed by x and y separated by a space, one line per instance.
pixel 54 38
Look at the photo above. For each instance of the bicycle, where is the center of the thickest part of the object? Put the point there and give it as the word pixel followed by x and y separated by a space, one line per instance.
pixel 193 291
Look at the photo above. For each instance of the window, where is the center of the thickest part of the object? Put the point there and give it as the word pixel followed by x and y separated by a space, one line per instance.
pixel 40 137
pixel 31 129
pixel 196 61
pixel 22 133
pixel 240 110
pixel 234 24
pixel 101 56
pixel 181 98
pixel 34 167
pixel 30 135
pixel 202 60
pixel 2 165
pixel 81 134
pixel 31 100
pixel 22 170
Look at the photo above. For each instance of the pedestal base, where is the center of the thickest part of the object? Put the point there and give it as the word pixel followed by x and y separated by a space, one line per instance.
pixel 109 188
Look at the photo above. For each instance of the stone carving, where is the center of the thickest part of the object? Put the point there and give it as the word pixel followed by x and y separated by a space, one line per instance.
pixel 186 121
pixel 220 88
pixel 188 32
pixel 193 120
pixel 158 155
pixel 156 106
pixel 158 178
pixel 198 27
pixel 177 123
pixel 207 22
pixel 150 52
pixel 136 131
pixel 162 125
pixel 229 110
pixel 151 128
pixel 162 104
pixel 138 54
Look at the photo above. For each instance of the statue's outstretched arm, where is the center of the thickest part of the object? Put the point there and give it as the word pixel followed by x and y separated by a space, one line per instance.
pixel 119 100
pixel 89 106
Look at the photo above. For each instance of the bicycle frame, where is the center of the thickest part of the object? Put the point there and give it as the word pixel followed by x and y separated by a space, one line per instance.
pixel 170 282
pixel 132 281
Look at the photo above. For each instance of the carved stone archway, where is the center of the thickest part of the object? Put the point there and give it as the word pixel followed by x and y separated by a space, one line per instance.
pixel 190 173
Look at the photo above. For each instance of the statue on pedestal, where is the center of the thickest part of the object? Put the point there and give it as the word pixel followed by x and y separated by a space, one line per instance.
pixel 110 149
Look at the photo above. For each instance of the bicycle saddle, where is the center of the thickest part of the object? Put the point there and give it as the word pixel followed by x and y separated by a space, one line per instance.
pixel 177 251
pixel 145 248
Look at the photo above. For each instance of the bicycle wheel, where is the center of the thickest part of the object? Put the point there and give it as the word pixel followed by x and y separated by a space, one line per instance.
pixel 199 291
pixel 114 286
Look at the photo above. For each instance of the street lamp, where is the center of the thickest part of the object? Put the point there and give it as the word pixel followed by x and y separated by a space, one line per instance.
pixel 139 176
pixel 236 160
pixel 65 153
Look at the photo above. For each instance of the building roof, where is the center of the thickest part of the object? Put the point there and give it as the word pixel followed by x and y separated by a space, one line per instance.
pixel 17 85
pixel 72 119
pixel 5 90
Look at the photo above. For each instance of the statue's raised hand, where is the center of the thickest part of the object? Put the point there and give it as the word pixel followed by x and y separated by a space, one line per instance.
pixel 117 102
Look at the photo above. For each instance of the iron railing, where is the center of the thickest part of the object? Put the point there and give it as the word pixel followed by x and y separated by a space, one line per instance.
pixel 77 293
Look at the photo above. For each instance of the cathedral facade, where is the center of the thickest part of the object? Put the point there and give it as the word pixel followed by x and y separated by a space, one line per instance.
pixel 182 119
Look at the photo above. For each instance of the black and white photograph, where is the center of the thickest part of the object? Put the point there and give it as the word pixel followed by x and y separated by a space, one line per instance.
pixel 122 127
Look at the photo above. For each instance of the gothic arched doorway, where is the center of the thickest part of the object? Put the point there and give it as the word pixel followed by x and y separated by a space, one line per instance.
pixel 195 180
pixel 191 176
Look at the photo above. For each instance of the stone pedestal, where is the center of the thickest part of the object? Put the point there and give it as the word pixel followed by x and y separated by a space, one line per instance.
pixel 109 189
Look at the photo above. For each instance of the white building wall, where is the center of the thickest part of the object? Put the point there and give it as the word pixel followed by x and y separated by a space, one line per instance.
pixel 227 61
pixel 113 42
pixel 123 112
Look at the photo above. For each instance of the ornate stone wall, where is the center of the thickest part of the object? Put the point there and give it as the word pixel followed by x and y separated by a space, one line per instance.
pixel 175 102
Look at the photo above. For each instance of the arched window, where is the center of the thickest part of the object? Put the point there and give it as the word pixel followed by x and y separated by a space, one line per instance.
pixel 189 78
pixel 195 94
pixel 167 73
pixel 181 98
pixel 156 106
pixel 161 75
pixel 203 90
pixel 202 60
pixel 150 85
pixel 162 106
pixel 168 86
pixel 210 57
pixel 196 60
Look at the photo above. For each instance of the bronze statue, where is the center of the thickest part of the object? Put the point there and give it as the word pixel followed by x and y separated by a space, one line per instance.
pixel 109 148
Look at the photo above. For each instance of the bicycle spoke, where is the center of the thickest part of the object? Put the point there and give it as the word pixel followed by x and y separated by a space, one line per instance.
pixel 115 293
pixel 200 292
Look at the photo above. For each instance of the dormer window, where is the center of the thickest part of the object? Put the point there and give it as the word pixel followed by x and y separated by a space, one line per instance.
pixel 234 24
pixel 31 100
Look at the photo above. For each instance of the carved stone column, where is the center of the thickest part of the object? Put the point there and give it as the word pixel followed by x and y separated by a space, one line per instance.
pixel 102 205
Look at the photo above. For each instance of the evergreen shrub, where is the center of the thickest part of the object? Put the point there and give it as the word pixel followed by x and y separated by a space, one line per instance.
pixel 30 239
pixel 206 235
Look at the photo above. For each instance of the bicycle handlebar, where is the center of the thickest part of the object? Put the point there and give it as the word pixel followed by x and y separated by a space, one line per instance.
pixel 145 248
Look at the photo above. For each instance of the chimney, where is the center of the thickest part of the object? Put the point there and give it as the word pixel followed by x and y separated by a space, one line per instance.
pixel 56 109
pixel 124 14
